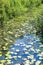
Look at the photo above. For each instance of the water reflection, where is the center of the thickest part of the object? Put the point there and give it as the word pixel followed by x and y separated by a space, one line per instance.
pixel 26 50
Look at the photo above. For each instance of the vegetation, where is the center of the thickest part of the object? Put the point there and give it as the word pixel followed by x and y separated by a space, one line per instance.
pixel 15 12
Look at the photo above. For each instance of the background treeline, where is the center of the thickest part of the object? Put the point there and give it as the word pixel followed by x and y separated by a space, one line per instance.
pixel 12 8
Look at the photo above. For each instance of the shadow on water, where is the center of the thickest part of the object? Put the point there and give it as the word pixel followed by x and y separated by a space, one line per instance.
pixel 26 50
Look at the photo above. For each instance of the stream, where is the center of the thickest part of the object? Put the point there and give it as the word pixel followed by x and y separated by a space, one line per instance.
pixel 26 50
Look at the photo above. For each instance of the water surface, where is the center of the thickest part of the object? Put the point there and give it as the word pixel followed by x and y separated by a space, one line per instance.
pixel 26 50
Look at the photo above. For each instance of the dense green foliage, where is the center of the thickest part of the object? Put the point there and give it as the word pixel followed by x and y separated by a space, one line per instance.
pixel 12 12
pixel 12 8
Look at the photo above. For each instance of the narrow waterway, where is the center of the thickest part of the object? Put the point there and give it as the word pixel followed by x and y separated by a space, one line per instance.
pixel 26 50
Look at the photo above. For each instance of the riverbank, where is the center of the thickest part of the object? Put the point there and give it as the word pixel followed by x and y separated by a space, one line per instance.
pixel 18 26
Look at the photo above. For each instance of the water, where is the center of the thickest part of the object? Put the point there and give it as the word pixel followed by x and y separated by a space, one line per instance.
pixel 25 51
